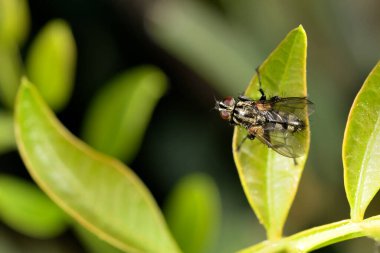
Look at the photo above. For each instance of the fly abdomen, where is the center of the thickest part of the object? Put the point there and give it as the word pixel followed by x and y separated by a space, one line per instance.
pixel 294 124
pixel 283 121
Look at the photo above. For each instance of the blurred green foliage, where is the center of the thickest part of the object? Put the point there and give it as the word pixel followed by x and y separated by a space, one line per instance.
pixel 51 63
pixel 14 28
pixel 193 213
pixel 219 53
pixel 14 22
pixel 116 124
pixel 26 209
pixel 120 113
pixel 92 243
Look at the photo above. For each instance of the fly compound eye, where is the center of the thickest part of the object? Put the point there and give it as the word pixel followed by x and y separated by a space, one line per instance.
pixel 229 101
pixel 225 115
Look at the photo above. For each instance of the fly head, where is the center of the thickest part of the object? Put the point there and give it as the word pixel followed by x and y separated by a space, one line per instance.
pixel 226 108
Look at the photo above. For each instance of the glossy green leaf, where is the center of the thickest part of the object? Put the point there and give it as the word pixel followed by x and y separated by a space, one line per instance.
pixel 120 113
pixel 7 139
pixel 26 209
pixel 193 213
pixel 269 179
pixel 97 191
pixel 361 145
pixel 10 73
pixel 51 63
pixel 14 21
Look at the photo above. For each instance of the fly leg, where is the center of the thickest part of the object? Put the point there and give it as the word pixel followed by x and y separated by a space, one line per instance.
pixel 252 132
pixel 244 98
pixel 251 137
pixel 263 97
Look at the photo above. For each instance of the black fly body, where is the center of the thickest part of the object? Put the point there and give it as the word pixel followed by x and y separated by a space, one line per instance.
pixel 277 122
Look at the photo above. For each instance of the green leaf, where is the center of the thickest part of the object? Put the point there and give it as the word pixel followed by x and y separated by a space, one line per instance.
pixel 193 213
pixel 269 179
pixel 14 21
pixel 26 209
pixel 51 63
pixel 361 145
pixel 92 243
pixel 120 113
pixel 97 191
pixel 10 73
pixel 7 139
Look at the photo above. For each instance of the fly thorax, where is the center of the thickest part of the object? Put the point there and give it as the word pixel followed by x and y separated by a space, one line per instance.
pixel 244 115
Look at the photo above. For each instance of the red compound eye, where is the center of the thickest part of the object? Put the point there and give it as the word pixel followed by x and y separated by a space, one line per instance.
pixel 229 101
pixel 225 115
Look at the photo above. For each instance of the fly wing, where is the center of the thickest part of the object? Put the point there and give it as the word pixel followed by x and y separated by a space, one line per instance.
pixel 289 144
pixel 299 106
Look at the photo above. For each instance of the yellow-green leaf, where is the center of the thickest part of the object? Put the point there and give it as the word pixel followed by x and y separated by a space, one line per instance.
pixel 361 146
pixel 97 191
pixel 269 179
pixel 26 209
pixel 14 21
pixel 193 213
pixel 51 62
pixel 120 113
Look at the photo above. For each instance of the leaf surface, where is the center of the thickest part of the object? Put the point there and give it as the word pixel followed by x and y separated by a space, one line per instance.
pixel 361 146
pixel 97 191
pixel 28 210
pixel 193 213
pixel 50 63
pixel 119 115
pixel 14 22
pixel 269 179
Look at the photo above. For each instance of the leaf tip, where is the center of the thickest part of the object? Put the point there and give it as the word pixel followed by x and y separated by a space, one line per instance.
pixel 301 31
pixel 25 85
pixel 24 81
pixel 300 28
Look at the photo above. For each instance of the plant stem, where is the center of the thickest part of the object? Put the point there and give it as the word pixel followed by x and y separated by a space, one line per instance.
pixel 319 237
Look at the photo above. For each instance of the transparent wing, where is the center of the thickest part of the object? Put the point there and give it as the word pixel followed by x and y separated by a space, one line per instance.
pixel 286 143
pixel 299 106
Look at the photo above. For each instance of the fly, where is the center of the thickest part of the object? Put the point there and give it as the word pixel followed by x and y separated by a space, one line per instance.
pixel 277 122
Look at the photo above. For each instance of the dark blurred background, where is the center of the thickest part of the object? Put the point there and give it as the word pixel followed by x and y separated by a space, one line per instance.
pixel 210 48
